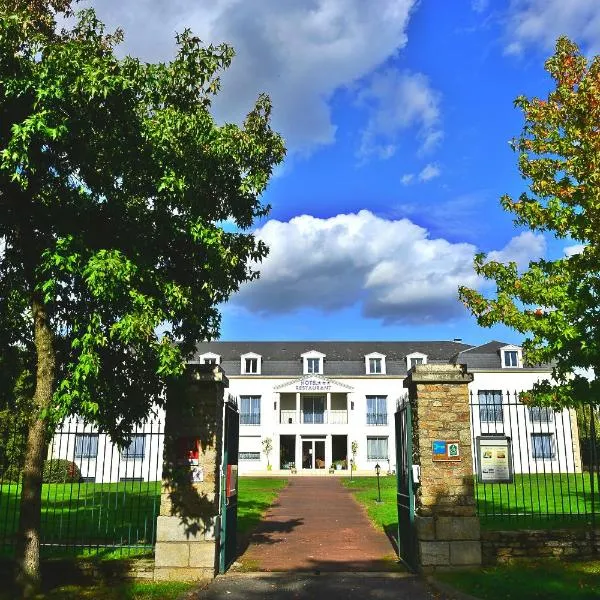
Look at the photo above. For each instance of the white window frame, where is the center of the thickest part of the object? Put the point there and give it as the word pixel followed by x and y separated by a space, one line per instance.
pixel 251 398
pixel 210 358
pixel 412 355
pixel 312 354
pixel 374 355
pixel 551 445
pixel 519 353
pixel 378 437
pixel 250 356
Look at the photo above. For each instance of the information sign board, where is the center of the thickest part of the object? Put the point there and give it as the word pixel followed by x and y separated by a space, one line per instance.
pixel 494 459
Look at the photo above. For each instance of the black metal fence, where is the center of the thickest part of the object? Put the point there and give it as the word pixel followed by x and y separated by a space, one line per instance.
pixel 96 498
pixel 554 460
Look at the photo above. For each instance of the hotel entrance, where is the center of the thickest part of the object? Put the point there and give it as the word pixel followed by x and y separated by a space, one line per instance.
pixel 313 453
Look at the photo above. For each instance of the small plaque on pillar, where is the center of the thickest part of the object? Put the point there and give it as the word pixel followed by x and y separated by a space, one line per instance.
pixel 445 450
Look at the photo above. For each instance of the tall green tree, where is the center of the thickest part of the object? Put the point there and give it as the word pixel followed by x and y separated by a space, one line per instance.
pixel 555 303
pixel 114 180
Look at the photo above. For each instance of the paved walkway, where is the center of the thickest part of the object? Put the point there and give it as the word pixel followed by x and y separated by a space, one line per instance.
pixel 307 586
pixel 316 542
pixel 316 525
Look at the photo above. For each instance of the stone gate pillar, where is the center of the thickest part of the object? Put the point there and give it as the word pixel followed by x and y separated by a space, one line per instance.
pixel 447 528
pixel 187 527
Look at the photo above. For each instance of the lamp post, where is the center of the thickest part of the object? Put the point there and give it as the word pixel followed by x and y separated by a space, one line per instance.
pixel 351 468
pixel 378 471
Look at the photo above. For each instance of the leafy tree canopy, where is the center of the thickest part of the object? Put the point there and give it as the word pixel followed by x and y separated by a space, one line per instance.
pixel 114 179
pixel 555 303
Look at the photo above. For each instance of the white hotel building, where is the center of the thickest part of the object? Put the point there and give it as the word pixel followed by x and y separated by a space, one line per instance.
pixel 314 399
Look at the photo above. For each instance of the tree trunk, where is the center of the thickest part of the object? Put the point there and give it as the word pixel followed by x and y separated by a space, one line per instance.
pixel 28 540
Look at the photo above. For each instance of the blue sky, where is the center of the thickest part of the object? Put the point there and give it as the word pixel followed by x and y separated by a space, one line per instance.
pixel 397 116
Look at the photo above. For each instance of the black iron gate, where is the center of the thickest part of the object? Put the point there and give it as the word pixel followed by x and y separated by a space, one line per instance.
pixel 407 546
pixel 229 485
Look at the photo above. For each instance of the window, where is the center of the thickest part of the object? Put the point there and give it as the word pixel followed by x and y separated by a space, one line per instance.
pixel 313 362
pixel 136 447
pixel 313 365
pixel 415 358
pixel 542 445
pixel 490 406
pixel 313 409
pixel 541 414
pixel 375 363
pixel 511 357
pixel 249 456
pixel 86 445
pixel 250 363
pixel 377 448
pixel 210 358
pixel 249 410
pixel 377 410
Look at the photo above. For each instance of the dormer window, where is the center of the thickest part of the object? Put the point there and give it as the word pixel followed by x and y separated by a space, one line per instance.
pixel 313 363
pixel 251 364
pixel 415 358
pixel 210 358
pixel 511 357
pixel 375 363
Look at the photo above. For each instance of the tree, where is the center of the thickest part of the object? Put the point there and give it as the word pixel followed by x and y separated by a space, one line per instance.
pixel 114 180
pixel 555 302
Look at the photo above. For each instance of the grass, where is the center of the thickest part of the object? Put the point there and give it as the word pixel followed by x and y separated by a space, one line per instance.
pixel 531 502
pixel 385 514
pixel 88 517
pixel 123 591
pixel 542 580
pixel 113 520
pixel 256 494
pixel 537 501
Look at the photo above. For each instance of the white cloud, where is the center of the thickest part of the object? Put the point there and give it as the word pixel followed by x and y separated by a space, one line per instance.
pixel 390 268
pixel 430 171
pixel 407 178
pixel 540 22
pixel 397 102
pixel 572 250
pixel 299 52
pixel 521 249
pixel 479 6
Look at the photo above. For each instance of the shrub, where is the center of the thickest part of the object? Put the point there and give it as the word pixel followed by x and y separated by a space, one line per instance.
pixel 59 470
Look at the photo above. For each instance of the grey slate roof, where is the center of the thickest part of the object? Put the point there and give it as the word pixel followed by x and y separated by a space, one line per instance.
pixel 487 356
pixel 341 358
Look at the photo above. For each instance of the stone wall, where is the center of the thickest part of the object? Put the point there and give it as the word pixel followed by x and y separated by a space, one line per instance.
pixel 447 528
pixel 501 547
pixel 188 526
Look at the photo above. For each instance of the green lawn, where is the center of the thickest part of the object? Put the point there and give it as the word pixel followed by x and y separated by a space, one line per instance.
pixel 542 580
pixel 113 519
pixel 542 501
pixel 256 494
pixel 385 514
pixel 88 514
pixel 531 502
pixel 123 591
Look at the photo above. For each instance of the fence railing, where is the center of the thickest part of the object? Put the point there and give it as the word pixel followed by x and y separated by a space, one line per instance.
pixel 96 498
pixel 554 458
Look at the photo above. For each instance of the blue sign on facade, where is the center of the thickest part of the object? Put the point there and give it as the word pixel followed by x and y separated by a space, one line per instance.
pixel 439 447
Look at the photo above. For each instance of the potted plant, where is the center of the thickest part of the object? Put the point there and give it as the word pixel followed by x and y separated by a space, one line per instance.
pixel 267 445
pixel 293 468
pixel 354 448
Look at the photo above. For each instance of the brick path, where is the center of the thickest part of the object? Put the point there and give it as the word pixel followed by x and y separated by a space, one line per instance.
pixel 316 525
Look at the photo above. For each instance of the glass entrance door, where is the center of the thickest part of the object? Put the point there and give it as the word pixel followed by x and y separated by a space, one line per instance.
pixel 313 454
